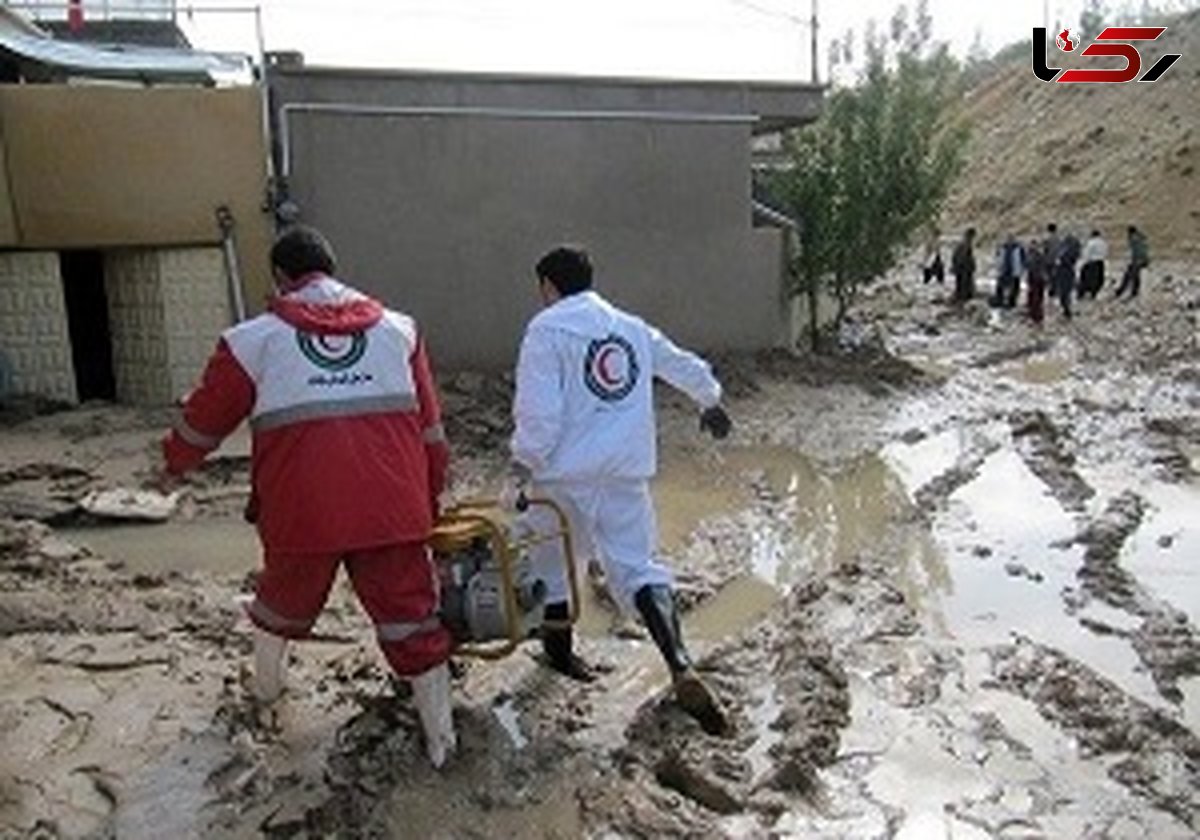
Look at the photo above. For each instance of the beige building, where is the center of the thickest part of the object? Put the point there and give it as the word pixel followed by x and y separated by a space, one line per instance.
pixel 114 282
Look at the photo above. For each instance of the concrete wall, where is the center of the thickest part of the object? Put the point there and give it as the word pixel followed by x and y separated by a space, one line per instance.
pixel 97 167
pixel 9 235
pixel 35 348
pixel 444 216
pixel 166 311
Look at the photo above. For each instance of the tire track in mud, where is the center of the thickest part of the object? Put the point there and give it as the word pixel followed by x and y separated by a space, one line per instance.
pixel 1157 757
pixel 1165 641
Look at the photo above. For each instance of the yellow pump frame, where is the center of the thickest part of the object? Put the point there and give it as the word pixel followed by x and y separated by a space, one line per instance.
pixel 468 521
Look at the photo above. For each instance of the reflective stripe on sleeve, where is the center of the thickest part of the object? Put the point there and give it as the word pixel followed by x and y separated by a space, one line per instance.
pixel 193 437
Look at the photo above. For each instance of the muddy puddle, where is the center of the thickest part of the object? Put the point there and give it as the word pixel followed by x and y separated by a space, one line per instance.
pixel 219 546
pixel 1011 567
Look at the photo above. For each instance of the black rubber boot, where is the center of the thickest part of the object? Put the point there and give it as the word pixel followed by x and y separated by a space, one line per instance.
pixel 657 607
pixel 558 643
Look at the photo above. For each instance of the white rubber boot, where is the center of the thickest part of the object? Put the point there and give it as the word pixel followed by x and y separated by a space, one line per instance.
pixel 431 693
pixel 268 665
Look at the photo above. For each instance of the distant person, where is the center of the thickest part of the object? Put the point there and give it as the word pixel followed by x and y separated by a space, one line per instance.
pixel 1069 250
pixel 1035 294
pixel 1091 275
pixel 1051 248
pixel 962 265
pixel 1139 258
pixel 933 268
pixel 1011 258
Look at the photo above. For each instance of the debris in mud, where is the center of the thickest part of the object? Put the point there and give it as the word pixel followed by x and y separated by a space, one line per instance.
pixel 1158 758
pixel 124 503
pixel 1014 569
pixel 1041 444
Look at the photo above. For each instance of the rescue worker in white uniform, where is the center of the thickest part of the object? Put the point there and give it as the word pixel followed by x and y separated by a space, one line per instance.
pixel 585 434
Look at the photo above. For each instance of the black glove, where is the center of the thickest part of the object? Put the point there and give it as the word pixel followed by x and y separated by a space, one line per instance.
pixel 716 422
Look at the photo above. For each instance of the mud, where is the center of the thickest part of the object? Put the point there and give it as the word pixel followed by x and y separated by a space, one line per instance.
pixel 1153 755
pixel 943 578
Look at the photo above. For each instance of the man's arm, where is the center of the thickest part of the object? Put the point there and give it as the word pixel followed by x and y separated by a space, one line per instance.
pixel 684 370
pixel 538 406
pixel 222 400
pixel 437 449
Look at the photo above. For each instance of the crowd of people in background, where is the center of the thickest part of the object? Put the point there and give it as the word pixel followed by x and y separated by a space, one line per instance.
pixel 1057 266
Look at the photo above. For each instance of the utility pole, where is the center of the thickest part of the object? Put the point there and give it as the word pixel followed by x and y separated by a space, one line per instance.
pixel 813 31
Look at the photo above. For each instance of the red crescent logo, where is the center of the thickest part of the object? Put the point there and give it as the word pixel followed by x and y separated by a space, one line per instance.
pixel 602 371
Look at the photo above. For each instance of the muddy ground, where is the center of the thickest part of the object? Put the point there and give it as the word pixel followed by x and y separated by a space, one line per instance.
pixel 945 579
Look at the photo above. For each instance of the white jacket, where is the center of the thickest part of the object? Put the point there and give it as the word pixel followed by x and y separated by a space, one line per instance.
pixel 1094 250
pixel 584 407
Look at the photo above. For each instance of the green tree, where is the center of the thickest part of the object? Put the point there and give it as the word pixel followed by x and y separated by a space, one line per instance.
pixel 875 168
pixel 1092 19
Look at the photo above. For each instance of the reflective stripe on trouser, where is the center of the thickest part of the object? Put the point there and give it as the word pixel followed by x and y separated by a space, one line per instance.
pixel 612 522
pixel 395 584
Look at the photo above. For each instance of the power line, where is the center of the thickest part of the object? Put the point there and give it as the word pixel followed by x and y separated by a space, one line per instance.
pixel 769 12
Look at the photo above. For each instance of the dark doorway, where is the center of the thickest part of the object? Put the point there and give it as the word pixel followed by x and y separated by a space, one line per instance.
pixel 87 324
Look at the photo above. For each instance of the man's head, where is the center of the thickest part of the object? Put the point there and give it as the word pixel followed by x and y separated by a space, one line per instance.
pixel 564 271
pixel 298 251
pixel 1132 230
pixel 1052 228
pixel 970 233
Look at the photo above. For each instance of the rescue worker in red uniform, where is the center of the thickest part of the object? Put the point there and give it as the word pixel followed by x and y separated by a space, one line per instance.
pixel 349 458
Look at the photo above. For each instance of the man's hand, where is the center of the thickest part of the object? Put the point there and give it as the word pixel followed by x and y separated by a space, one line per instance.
pixel 716 422
pixel 514 496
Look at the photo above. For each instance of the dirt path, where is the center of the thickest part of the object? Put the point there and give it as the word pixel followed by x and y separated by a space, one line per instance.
pixel 948 590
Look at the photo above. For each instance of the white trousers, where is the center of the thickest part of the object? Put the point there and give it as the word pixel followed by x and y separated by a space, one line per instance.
pixel 611 522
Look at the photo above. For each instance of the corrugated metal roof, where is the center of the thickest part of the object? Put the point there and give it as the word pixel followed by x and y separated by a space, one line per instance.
pixel 25 43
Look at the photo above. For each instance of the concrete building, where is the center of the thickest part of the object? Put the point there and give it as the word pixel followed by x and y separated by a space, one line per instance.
pixel 113 281
pixel 439 192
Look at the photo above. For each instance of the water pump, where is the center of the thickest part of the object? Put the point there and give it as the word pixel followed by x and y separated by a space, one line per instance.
pixel 490 599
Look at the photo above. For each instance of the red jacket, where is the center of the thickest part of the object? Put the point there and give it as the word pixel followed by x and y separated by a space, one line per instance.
pixel 348 446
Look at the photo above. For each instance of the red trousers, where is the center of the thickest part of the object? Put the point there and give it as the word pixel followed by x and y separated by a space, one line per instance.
pixel 396 584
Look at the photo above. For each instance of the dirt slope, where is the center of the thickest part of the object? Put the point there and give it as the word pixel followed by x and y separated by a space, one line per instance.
pixel 1088 155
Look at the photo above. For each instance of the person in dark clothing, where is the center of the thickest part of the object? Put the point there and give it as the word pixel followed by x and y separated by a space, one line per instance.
pixel 962 265
pixel 934 269
pixel 1051 247
pixel 1011 258
pixel 1035 297
pixel 1091 275
pixel 1064 271
pixel 1139 258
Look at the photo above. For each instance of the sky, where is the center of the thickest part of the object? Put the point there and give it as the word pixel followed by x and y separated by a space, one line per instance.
pixel 752 39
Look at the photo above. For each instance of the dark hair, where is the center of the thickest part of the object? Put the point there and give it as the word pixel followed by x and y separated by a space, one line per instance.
pixel 1052 228
pixel 1095 233
pixel 567 268
pixel 302 250
pixel 1133 228
pixel 970 233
